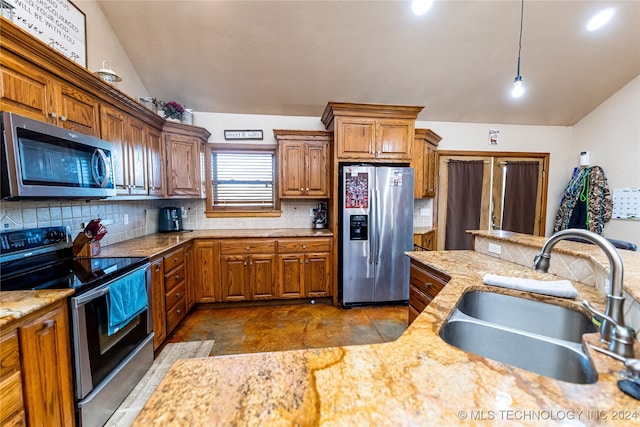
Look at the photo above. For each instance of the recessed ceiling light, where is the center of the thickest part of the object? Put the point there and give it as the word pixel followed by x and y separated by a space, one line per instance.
pixel 420 7
pixel 599 19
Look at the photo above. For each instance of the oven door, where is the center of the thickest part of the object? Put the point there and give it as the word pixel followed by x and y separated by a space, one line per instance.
pixel 96 353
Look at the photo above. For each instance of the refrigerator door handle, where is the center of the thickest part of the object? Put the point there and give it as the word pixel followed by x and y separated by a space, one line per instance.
pixel 376 224
pixel 370 228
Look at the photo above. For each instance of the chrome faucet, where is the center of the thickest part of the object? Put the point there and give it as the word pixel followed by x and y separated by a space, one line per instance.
pixel 613 317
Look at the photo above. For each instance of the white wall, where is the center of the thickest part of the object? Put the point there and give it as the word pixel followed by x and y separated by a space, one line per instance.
pixel 611 133
pixel 103 45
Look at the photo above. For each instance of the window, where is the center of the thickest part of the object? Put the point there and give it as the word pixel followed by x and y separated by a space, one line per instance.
pixel 241 180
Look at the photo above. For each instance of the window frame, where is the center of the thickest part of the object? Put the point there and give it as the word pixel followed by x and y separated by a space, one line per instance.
pixel 212 211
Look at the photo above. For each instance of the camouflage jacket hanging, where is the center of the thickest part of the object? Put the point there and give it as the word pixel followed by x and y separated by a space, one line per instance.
pixel 587 202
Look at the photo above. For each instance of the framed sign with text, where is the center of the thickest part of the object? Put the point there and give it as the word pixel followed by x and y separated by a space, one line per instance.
pixel 242 134
pixel 58 23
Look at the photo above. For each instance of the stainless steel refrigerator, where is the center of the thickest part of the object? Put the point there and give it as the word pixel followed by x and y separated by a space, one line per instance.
pixel 376 228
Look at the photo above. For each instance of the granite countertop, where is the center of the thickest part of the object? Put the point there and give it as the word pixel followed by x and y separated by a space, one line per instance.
pixel 630 259
pixel 153 244
pixel 15 305
pixel 423 230
pixel 416 380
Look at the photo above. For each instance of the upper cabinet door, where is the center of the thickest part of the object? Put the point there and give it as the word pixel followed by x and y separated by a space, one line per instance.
pixel 78 111
pixel 137 147
pixel 394 139
pixel 317 170
pixel 356 138
pixel 155 167
pixel 113 129
pixel 25 89
pixel 183 161
pixel 292 169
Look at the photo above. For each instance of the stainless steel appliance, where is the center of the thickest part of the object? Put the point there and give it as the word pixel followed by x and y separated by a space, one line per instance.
pixel 320 216
pixel 170 219
pixel 107 362
pixel 42 160
pixel 376 228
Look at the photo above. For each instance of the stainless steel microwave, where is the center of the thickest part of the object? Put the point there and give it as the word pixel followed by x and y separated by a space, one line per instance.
pixel 40 160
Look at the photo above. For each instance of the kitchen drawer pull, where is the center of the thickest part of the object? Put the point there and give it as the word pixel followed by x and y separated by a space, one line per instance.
pixel 304 246
pixel 177 295
pixel 178 311
pixel 157 268
pixel 46 326
pixel 247 248
pixel 307 189
pixel 63 118
pixel 177 277
pixel 53 115
pixel 302 189
pixel 176 259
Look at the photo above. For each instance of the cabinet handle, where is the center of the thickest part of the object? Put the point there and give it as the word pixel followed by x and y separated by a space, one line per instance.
pixel 175 259
pixel 63 118
pixel 301 261
pixel 46 326
pixel 53 115
pixel 157 268
pixel 307 260
pixel 177 277
pixel 304 246
pixel 178 311
pixel 244 263
pixel 177 295
pixel 247 248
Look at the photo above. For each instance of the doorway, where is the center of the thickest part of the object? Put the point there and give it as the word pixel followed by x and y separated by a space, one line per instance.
pixel 489 191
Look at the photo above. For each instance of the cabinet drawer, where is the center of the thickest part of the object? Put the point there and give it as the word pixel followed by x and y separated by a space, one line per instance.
pixel 311 245
pixel 174 296
pixel 413 313
pixel 173 278
pixel 242 247
pixel 173 260
pixel 9 355
pixel 175 314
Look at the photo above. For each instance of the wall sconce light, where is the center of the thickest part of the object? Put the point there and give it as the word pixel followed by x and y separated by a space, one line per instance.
pixel 107 74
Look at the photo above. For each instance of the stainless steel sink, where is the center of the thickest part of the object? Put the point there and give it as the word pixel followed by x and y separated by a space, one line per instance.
pixel 526 334
pixel 537 317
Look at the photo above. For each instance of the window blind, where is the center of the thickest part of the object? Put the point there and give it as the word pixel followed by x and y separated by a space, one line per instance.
pixel 242 179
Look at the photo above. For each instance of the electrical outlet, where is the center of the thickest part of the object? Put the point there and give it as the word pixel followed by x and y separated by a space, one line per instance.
pixel 125 219
pixel 495 249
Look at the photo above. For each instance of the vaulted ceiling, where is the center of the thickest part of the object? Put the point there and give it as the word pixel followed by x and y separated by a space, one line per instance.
pixel 458 60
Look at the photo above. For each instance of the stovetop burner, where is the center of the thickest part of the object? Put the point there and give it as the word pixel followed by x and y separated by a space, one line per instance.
pixel 42 259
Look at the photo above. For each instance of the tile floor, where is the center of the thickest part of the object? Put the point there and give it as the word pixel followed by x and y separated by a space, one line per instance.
pixel 239 330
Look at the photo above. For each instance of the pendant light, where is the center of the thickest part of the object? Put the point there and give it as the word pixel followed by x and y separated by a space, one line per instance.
pixel 518 88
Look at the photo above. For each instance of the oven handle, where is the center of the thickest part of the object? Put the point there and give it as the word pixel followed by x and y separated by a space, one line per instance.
pixel 82 299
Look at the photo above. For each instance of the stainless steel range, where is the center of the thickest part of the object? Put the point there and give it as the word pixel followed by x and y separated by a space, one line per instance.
pixel 110 326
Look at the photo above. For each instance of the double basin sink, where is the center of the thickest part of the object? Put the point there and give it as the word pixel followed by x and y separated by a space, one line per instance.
pixel 539 337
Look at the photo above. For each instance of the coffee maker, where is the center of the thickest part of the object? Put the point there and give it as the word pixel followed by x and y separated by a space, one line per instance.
pixel 170 220
pixel 320 216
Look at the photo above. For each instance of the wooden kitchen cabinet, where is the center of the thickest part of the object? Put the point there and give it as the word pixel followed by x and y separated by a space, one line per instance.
pixel 424 285
pixel 247 269
pixel 30 91
pixel 175 287
pixel 426 241
pixel 158 311
pixel 207 274
pixel 155 163
pixel 372 132
pixel 184 149
pixel 11 396
pixel 35 372
pixel 303 158
pixel 129 150
pixel 189 270
pixel 425 163
pixel 304 268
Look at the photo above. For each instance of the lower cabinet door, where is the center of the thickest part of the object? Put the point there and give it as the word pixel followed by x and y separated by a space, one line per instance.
pixel 234 277
pixel 291 276
pixel 263 276
pixel 46 367
pixel 318 273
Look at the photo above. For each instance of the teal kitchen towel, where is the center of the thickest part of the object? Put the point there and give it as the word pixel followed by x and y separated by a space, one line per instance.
pixel 127 298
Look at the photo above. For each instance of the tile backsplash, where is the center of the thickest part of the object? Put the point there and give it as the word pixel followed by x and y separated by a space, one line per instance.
pixel 128 219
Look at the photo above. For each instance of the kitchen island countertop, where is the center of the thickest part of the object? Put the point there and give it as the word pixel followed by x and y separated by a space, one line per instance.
pixel 416 380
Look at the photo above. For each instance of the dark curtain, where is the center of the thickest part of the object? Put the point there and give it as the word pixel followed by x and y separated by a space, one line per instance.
pixel 520 194
pixel 464 199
